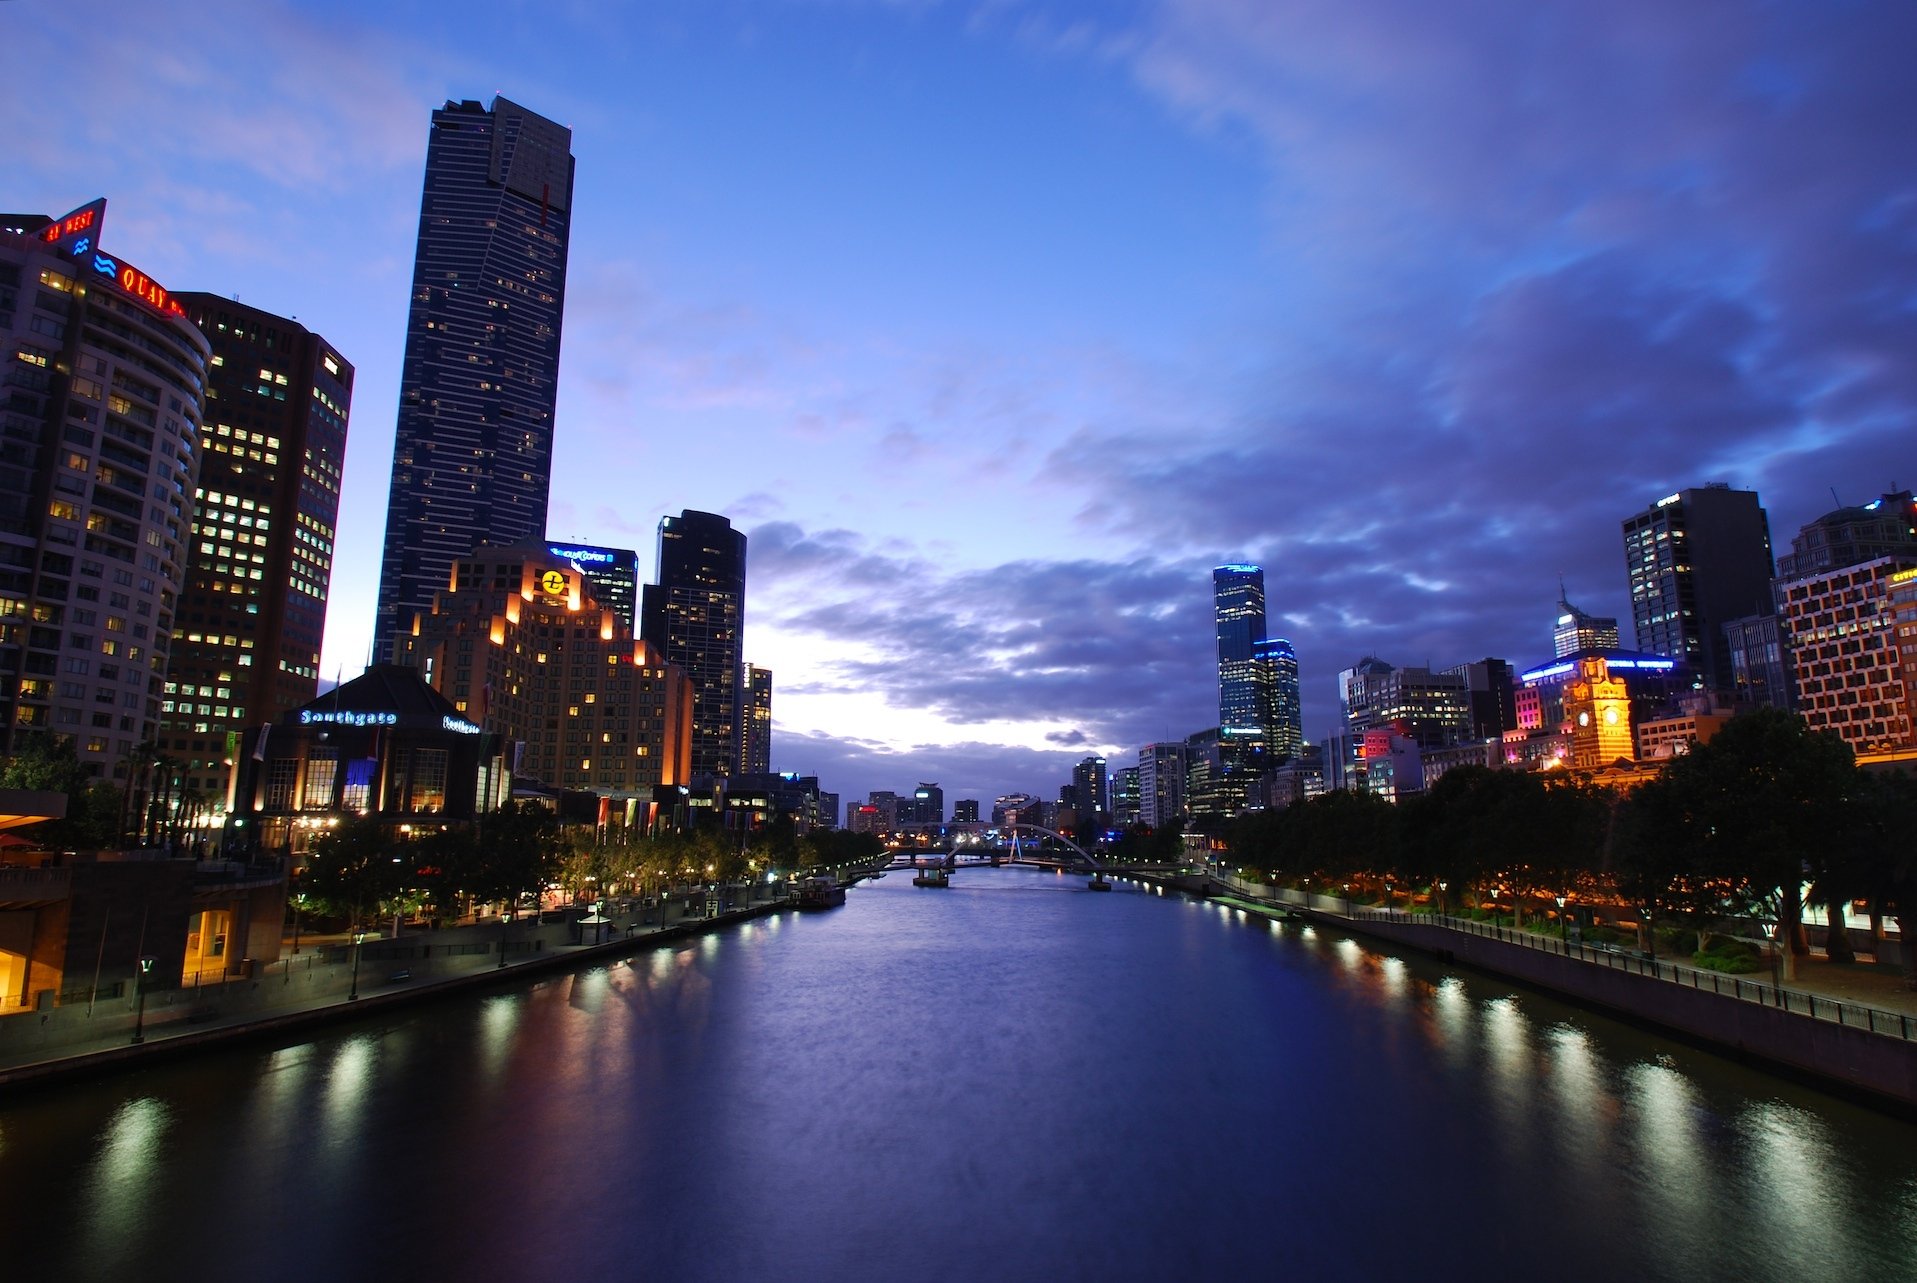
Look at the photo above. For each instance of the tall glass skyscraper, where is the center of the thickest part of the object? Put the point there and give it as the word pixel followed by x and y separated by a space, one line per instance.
pixel 1258 700
pixel 1238 596
pixel 695 616
pixel 472 457
pixel 1276 665
pixel 1697 560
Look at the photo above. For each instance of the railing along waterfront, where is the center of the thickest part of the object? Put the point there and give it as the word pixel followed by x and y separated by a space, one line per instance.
pixel 1853 1015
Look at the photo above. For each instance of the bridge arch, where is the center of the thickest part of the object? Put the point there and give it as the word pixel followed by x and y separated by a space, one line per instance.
pixel 1082 853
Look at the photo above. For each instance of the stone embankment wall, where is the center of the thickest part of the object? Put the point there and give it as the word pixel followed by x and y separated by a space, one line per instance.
pixel 1881 1067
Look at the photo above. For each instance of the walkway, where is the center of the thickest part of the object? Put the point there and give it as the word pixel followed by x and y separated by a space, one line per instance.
pixel 299 988
pixel 1861 995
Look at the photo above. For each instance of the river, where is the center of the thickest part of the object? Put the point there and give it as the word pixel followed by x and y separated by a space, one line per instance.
pixel 1011 1079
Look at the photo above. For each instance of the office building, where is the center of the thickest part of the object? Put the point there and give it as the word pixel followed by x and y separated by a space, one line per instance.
pixel 1884 527
pixel 758 720
pixel 1161 784
pixel 1846 664
pixel 518 645
pixel 1696 560
pixel 1490 689
pixel 928 804
pixel 259 565
pixel 99 456
pixel 1125 798
pixel 1760 662
pixel 1431 709
pixel 1238 599
pixel 1275 665
pixel 694 615
pixel 1091 795
pixel 611 574
pixel 472 453
pixel 1578 630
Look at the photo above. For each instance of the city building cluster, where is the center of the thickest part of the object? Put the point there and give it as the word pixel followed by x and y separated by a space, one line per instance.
pixel 170 468
pixel 1828 630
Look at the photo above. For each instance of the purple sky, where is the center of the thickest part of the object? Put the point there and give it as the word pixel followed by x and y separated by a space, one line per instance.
pixel 998 324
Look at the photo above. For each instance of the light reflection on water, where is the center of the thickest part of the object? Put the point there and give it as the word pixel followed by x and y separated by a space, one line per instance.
pixel 1012 1078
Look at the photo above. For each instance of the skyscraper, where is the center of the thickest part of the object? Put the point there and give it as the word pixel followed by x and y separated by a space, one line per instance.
pixel 260 563
pixel 472 456
pixel 1238 599
pixel 104 380
pixel 1276 666
pixel 1091 792
pixel 758 722
pixel 694 615
pixel 1577 630
pixel 1697 560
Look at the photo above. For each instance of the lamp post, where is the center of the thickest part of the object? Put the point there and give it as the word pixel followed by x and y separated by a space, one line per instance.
pixel 1443 904
pixel 1564 932
pixel 353 995
pixel 139 988
pixel 1777 963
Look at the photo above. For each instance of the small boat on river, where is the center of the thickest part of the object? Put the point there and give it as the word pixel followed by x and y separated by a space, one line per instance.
pixel 820 893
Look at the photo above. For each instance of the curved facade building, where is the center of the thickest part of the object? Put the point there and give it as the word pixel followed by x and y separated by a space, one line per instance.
pixel 99 454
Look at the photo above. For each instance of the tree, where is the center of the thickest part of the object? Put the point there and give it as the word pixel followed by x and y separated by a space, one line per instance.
pixel 355 869
pixel 520 848
pixel 46 764
pixel 1765 797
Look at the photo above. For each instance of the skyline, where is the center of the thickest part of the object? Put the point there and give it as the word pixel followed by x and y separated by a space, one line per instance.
pixel 1175 286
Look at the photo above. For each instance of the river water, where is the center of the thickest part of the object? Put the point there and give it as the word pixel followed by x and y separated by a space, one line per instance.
pixel 1010 1079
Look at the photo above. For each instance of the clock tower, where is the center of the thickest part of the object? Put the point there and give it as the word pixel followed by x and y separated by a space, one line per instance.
pixel 1597 709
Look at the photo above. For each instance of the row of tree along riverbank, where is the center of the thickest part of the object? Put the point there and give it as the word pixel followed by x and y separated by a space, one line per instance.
pixel 1747 829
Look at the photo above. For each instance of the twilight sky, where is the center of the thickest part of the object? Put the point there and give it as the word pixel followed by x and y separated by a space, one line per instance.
pixel 998 323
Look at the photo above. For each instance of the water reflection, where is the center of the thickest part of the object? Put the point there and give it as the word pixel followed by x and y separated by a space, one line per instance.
pixel 127 1163
pixel 1012 1065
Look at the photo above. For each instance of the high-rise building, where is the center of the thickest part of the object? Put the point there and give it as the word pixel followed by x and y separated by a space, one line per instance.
pixel 1431 709
pixel 1884 527
pixel 1760 662
pixel 1161 783
pixel 100 440
pixel 1238 600
pixel 246 649
pixel 1578 630
pixel 965 811
pixel 1490 690
pixel 758 723
pixel 694 614
pixel 611 574
pixel 928 804
pixel 1276 666
pixel 472 454
pixel 1091 796
pixel 520 647
pixel 1840 624
pixel 1697 560
pixel 1125 799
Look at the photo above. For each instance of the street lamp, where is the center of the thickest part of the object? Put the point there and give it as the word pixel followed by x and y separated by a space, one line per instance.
pixel 139 987
pixel 1443 904
pixel 1777 963
pixel 1564 931
pixel 358 936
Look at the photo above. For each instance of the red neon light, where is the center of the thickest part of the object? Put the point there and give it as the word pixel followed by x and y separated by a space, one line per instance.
pixel 148 291
pixel 78 221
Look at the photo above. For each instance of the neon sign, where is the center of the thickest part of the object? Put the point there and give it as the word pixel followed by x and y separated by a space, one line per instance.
pixel 348 718
pixel 596 555
pixel 83 222
pixel 131 280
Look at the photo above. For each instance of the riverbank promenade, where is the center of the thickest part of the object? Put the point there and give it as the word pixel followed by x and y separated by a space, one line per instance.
pixel 331 977
pixel 1848 1027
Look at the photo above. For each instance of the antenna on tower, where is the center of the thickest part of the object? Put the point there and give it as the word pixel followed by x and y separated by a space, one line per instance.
pixel 1833 497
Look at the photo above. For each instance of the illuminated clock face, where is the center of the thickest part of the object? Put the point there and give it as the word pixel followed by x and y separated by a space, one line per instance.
pixel 1610 717
pixel 553 582
pixel 1584 719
